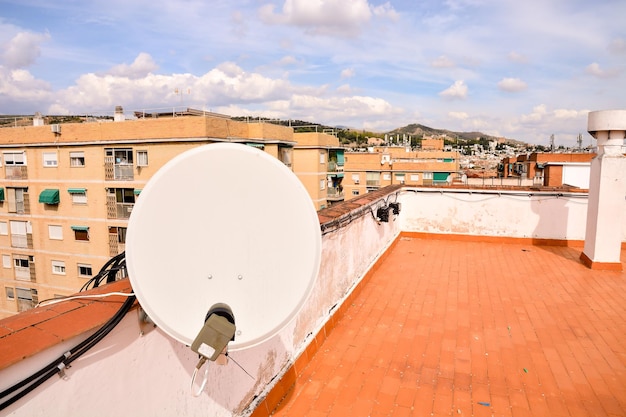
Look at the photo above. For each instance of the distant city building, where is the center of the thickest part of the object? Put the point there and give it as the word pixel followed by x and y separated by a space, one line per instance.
pixel 549 169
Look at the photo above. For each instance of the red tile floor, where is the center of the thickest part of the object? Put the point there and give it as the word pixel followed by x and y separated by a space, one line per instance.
pixel 455 328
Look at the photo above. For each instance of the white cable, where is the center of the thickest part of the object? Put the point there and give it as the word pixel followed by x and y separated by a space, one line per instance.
pixel 76 297
pixel 204 380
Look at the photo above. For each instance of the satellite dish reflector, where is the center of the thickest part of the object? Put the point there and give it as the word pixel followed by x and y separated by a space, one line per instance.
pixel 223 223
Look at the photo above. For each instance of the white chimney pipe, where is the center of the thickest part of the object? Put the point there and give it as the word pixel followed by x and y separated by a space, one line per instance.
pixel 607 189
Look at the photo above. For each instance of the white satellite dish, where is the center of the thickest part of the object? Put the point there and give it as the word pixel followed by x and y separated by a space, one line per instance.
pixel 223 223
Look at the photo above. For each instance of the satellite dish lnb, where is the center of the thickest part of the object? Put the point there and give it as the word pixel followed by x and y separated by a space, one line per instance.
pixel 223 224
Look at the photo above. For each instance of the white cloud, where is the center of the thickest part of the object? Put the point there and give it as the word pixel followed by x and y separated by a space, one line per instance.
pixel 618 46
pixel 458 115
pixel 386 10
pixel 512 85
pixel 141 66
pixel 569 114
pixel 326 17
pixel 347 73
pixel 595 70
pixel 23 49
pixel 20 85
pixel 517 57
pixel 537 114
pixel 442 62
pixel 458 90
pixel 344 89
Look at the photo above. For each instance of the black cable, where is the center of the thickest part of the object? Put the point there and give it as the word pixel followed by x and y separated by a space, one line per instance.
pixel 109 271
pixel 57 366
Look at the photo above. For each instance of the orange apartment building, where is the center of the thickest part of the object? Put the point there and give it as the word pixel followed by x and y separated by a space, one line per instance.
pixel 383 166
pixel 319 163
pixel 66 191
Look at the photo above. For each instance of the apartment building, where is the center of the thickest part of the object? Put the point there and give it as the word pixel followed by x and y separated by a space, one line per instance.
pixel 319 163
pixel 67 191
pixel 383 166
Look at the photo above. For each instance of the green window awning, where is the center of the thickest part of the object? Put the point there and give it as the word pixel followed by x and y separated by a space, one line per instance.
pixel 137 191
pixel 1 194
pixel 256 145
pixel 80 228
pixel 440 176
pixel 340 159
pixel 49 196
pixel 77 190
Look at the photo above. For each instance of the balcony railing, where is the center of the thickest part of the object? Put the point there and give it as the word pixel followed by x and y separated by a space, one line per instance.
pixel 334 194
pixel 124 209
pixel 16 172
pixel 19 241
pixel 124 172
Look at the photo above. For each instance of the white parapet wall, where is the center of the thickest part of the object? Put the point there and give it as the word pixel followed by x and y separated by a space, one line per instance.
pixel 503 213
pixel 138 370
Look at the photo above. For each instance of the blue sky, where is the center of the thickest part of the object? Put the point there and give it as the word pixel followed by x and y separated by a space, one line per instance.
pixel 519 69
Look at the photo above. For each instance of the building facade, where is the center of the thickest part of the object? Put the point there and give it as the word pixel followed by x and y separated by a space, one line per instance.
pixel 67 191
pixel 319 164
pixel 383 166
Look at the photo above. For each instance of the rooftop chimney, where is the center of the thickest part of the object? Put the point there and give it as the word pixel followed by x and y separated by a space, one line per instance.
pixel 607 189
pixel 38 119
pixel 119 114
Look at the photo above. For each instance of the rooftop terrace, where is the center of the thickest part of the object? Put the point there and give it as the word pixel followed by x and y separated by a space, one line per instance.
pixel 460 327
pixel 469 302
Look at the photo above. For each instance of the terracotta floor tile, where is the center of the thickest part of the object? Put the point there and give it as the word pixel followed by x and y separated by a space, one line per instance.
pixel 470 328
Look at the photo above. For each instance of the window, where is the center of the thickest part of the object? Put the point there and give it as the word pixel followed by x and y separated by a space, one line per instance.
pixel 15 197
pixel 355 192
pixel 386 176
pixel 284 154
pixel 55 232
pixel 121 156
pixel 22 267
pixel 81 233
pixel 415 177
pixel 400 178
pixel 26 298
pixel 373 178
pixel 77 159
pixel 10 293
pixel 21 262
pixel 322 184
pixel 79 195
pixel 50 159
pixel 6 261
pixel 84 270
pixel 428 175
pixel 19 232
pixel 58 267
pixel 322 158
pixel 120 232
pixel 355 178
pixel 4 230
pixel 15 158
pixel 142 158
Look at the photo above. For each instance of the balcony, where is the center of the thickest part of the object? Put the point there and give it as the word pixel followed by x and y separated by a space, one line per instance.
pixel 334 194
pixel 469 302
pixel 16 172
